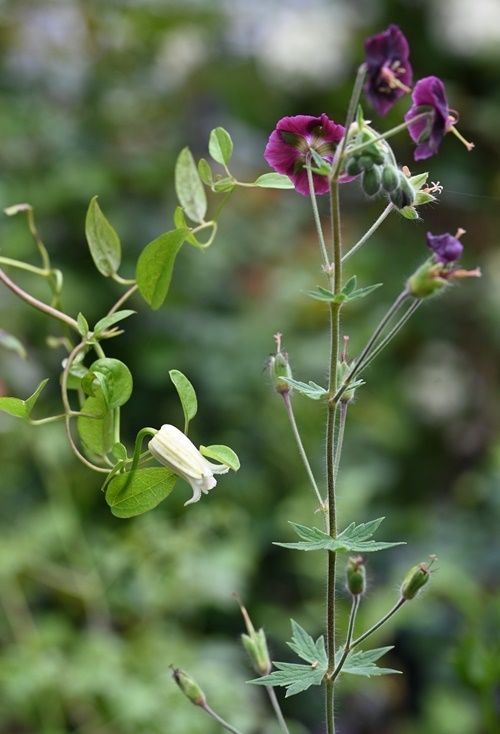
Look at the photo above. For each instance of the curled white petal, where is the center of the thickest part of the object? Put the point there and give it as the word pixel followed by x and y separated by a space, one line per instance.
pixel 173 449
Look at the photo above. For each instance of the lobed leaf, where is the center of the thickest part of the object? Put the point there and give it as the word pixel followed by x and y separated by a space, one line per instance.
pixel 103 241
pixel 363 662
pixel 310 390
pixel 355 538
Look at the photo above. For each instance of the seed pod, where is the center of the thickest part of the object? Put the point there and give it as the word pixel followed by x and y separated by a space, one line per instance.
pixel 415 579
pixel 189 687
pixel 356 576
pixel 371 181
pixel 390 178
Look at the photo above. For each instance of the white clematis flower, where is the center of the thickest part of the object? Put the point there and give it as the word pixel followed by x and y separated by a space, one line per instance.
pixel 173 449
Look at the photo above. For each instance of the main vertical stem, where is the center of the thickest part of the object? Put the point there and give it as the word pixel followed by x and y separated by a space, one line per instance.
pixel 330 453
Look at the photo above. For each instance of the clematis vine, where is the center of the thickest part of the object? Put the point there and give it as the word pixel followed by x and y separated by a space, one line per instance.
pixel 439 271
pixel 388 70
pixel 290 146
pixel 173 449
pixel 429 96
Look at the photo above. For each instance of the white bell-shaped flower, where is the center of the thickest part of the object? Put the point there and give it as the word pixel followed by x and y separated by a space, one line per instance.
pixel 173 449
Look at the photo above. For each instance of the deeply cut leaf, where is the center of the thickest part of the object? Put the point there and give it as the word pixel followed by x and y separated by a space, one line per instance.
pixel 156 264
pixel 187 396
pixel 363 662
pixel 310 389
pixel 355 538
pixel 133 494
pixel 103 241
pixel 21 408
pixel 189 188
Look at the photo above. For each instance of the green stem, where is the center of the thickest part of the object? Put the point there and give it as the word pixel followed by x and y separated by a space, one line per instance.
pixel 300 446
pixel 10 262
pixel 44 307
pixel 219 719
pixel 122 299
pixel 277 709
pixel 390 336
pixel 389 134
pixel 378 624
pixel 317 220
pixel 389 208
pixel 38 240
pixel 351 113
pixel 122 281
pixel 356 599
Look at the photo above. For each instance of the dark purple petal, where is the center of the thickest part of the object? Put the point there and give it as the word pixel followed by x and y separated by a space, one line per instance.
pixel 446 248
pixel 389 73
pixel 291 141
pixel 428 96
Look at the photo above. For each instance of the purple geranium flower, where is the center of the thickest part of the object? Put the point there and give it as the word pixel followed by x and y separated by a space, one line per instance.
pixel 429 99
pixel 289 145
pixel 389 73
pixel 446 247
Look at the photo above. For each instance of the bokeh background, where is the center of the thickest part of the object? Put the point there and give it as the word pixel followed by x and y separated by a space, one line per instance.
pixel 98 98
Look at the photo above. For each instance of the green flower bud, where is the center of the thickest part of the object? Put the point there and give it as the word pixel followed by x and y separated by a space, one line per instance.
pixel 256 646
pixel 390 178
pixel 366 162
pixel 415 579
pixel 352 167
pixel 343 369
pixel 279 367
pixel 189 687
pixel 427 280
pixel 404 195
pixel 356 576
pixel 371 181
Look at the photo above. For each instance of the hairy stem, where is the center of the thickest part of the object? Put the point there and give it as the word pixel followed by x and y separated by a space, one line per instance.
pixel 378 624
pixel 350 629
pixel 44 307
pixel 389 208
pixel 291 417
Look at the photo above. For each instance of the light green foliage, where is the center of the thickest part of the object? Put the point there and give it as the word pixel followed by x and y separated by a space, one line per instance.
pixel 187 396
pixel 21 408
pixel 83 324
pixel 155 266
pixel 310 389
pixel 220 146
pixel 105 323
pixel 222 454
pixel 132 494
pixel 355 538
pixel 112 379
pixel 360 662
pixel 103 241
pixel 273 181
pixel 12 344
pixel 348 293
pixel 97 431
pixel 189 188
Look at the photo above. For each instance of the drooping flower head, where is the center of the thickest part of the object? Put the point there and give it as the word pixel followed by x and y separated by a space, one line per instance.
pixel 388 70
pixel 436 119
pixel 173 449
pixel 439 271
pixel 291 142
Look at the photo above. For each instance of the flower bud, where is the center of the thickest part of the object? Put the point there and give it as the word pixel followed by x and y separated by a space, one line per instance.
pixel 390 178
pixel 371 181
pixel 189 687
pixel 352 167
pixel 415 579
pixel 404 194
pixel 256 646
pixel 356 576
pixel 427 280
pixel 279 368
pixel 366 162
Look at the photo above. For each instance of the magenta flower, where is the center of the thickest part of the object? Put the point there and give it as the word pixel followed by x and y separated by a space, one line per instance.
pixel 446 247
pixel 389 72
pixel 429 96
pixel 289 146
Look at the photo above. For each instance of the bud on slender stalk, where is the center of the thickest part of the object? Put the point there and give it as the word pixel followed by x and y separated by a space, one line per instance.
pixel 279 368
pixel 356 576
pixel 255 644
pixel 189 687
pixel 416 578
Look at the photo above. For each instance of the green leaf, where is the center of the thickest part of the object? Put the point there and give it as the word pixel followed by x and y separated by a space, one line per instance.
pixel 220 146
pixel 363 663
pixel 97 432
pixel 180 223
pixel 306 648
pixel 350 286
pixel 206 173
pixel 111 378
pixel 362 292
pixel 187 396
pixel 12 343
pixel 156 264
pixel 310 390
pixel 296 677
pixel 222 454
pixel 418 181
pixel 355 538
pixel 119 451
pixel 132 494
pixel 224 184
pixel 322 167
pixel 105 323
pixel 273 181
pixel 422 197
pixel 189 188
pixel 103 241
pixel 409 212
pixel 83 324
pixel 21 408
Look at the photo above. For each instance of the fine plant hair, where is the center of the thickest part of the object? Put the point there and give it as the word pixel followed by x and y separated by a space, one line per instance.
pixel 311 156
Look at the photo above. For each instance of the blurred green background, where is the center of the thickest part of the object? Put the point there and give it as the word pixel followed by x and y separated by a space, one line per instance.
pixel 98 98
